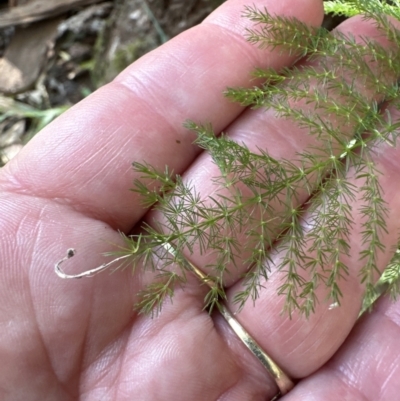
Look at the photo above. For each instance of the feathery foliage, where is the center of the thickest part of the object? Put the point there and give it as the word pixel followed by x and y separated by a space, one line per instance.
pixel 336 94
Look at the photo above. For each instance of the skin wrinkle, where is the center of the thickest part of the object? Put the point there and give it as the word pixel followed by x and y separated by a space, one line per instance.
pixel 105 361
pixel 66 383
pixel 180 109
pixel 246 51
pixel 384 317
pixel 391 163
pixel 85 339
pixel 97 176
pixel 42 342
pixel 120 341
pixel 13 184
pixel 302 342
pixel 354 365
pixel 239 395
pixel 119 358
pixel 285 141
pixel 342 378
pixel 265 122
pixel 89 160
pixel 323 316
pixel 92 351
pixel 225 394
pixel 168 321
pixel 232 392
pixel 104 168
pixel 63 201
pixel 118 378
pixel 238 379
pixel 92 157
pixel 249 365
pixel 387 313
pixel 146 89
pixel 384 384
pixel 162 116
pixel 80 361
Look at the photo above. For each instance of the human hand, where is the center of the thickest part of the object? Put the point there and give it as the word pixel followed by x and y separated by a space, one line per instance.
pixel 66 340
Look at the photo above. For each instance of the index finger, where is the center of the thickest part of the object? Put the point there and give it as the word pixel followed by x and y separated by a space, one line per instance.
pixel 84 158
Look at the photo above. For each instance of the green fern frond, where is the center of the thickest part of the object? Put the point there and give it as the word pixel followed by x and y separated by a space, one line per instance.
pixel 256 205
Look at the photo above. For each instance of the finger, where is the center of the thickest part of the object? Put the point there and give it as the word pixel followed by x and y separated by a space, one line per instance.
pixel 180 355
pixel 289 340
pixel 367 365
pixel 282 139
pixel 84 158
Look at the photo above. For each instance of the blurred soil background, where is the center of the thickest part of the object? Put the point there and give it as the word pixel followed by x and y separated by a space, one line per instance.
pixel 53 53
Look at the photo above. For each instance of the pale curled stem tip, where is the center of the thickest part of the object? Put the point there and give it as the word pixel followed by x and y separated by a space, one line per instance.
pixel 88 273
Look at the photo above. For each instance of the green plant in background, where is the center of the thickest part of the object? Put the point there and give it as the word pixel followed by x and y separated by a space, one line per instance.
pixel 258 203
pixel 349 8
pixel 13 111
pixel 10 108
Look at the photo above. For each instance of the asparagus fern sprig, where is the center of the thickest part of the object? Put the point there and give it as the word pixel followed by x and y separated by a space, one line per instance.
pixel 270 211
pixel 258 204
pixel 336 94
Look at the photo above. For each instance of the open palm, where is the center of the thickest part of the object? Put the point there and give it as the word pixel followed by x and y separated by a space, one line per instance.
pixel 69 340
